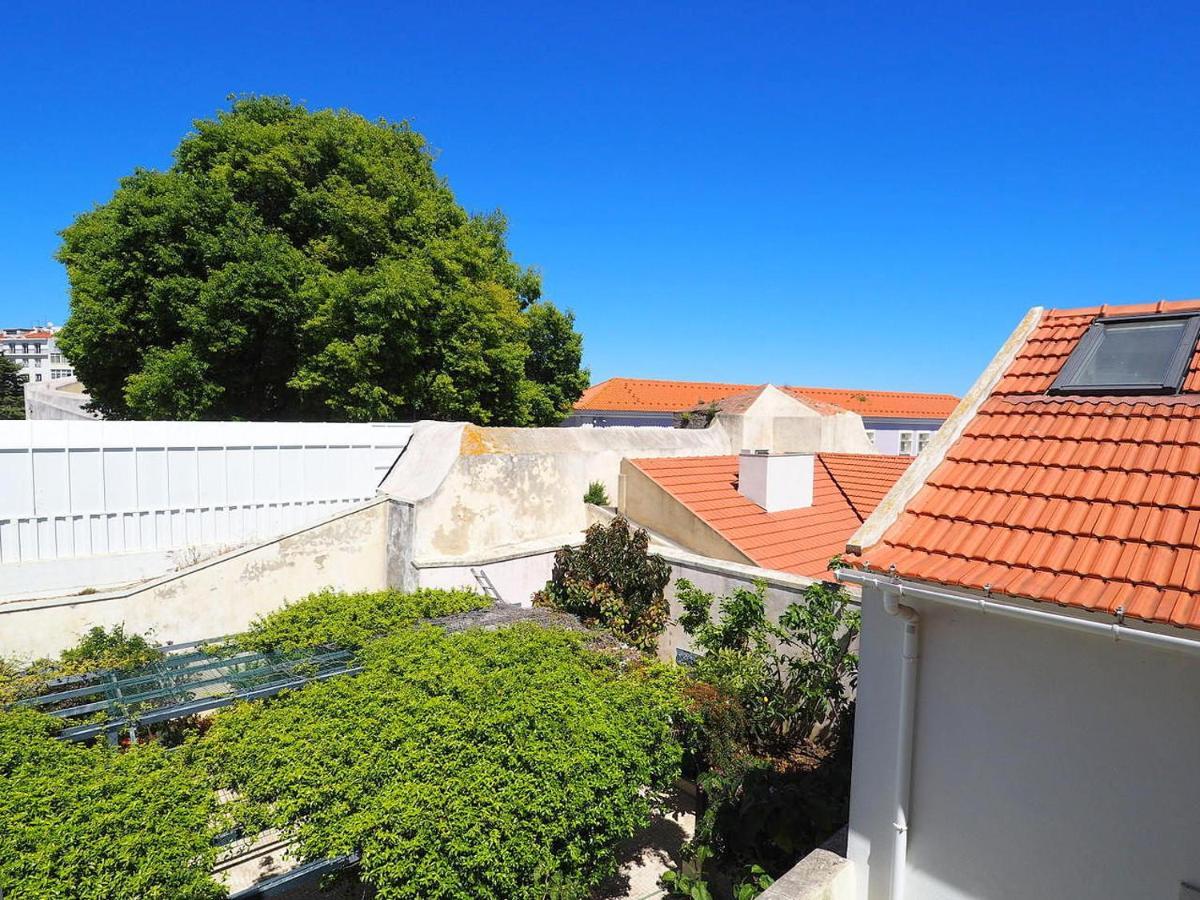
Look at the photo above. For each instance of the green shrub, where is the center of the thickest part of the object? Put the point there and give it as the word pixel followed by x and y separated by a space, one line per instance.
pixel 612 580
pixel 98 650
pixel 767 727
pixel 596 494
pixel 789 676
pixel 89 823
pixel 351 620
pixel 502 763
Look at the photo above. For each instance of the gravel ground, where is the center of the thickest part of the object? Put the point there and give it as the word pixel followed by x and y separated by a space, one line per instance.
pixel 500 614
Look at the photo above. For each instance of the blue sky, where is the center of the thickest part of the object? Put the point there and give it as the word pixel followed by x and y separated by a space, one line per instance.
pixel 846 194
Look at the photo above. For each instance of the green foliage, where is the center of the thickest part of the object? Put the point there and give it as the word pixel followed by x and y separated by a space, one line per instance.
pixel 754 882
pixel 12 390
pixel 596 494
pixel 351 620
pixel 101 650
pixel 767 726
pixel 503 763
pixel 789 676
pixel 89 823
pixel 480 764
pixel 689 882
pixel 98 650
pixel 308 265
pixel 612 580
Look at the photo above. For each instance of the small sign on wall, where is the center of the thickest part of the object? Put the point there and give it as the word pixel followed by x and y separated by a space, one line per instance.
pixel 685 657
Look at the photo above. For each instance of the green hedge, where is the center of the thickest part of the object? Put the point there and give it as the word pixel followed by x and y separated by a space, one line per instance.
pixel 505 763
pixel 482 764
pixel 351 620
pixel 89 823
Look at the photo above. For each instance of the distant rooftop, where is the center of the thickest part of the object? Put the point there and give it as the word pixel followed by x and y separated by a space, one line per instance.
pixel 643 395
pixel 846 489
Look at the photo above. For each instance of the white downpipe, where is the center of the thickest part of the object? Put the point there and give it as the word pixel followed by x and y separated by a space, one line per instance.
pixel 909 658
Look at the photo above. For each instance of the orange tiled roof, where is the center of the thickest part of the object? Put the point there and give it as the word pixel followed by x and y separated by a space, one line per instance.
pixel 846 488
pixel 882 404
pixel 1089 502
pixel 642 395
pixel 37 335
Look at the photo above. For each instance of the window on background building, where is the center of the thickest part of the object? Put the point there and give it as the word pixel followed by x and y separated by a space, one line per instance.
pixel 55 357
pixel 906 443
pixel 1130 355
pixel 923 440
pixel 38 376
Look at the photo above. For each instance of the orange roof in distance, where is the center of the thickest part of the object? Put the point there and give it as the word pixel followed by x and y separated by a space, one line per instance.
pixel 1085 501
pixel 846 488
pixel 642 395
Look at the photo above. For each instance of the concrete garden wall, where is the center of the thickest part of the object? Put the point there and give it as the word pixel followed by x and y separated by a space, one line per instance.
pixel 223 595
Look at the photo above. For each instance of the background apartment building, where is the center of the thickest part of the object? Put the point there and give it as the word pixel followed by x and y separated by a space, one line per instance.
pixel 36 352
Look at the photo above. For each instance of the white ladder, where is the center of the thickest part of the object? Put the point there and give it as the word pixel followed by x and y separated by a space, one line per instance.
pixel 485 584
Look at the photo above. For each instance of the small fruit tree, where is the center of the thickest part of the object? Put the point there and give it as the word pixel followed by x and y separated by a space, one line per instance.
pixel 613 580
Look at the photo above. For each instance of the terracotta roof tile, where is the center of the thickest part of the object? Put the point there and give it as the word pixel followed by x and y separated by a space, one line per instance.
pixel 846 489
pixel 1087 502
pixel 643 395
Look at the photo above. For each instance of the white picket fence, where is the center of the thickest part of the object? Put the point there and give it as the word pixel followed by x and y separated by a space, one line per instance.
pixel 79 489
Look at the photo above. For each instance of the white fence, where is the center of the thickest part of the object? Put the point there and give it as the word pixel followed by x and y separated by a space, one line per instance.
pixel 78 489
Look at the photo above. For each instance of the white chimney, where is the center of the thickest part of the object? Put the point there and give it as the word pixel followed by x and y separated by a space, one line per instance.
pixel 776 481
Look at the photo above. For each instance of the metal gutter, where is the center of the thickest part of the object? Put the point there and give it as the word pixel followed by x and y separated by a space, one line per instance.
pixel 1117 631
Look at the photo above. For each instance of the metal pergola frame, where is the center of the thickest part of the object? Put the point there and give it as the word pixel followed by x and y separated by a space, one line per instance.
pixel 191 678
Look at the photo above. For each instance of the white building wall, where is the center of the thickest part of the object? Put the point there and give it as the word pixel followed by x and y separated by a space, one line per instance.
pixel 40 358
pixel 886 434
pixel 86 489
pixel 1047 764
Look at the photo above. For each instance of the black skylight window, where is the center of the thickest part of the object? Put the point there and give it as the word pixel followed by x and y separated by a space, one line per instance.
pixel 1131 355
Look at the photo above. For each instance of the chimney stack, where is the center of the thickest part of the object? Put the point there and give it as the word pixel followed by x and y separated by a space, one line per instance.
pixel 776 481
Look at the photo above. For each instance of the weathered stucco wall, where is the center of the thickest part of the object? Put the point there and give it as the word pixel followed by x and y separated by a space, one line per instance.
pixel 516 578
pixel 473 489
pixel 1047 763
pixel 217 597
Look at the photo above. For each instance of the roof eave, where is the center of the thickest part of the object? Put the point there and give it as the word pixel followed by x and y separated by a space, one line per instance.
pixel 913 479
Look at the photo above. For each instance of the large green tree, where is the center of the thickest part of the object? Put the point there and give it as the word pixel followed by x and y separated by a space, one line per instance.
pixel 298 264
pixel 12 390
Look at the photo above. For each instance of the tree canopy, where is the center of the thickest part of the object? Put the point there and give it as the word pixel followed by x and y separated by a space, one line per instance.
pixel 310 265
pixel 12 390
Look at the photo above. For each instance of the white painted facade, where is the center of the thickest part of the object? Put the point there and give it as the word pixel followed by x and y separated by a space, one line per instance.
pixel 901 437
pixel 36 351
pixel 1046 763
pixel 74 491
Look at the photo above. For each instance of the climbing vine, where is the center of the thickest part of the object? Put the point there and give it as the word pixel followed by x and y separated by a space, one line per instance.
pixel 505 763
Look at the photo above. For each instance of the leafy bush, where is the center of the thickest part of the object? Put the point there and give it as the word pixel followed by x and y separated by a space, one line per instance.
pixel 767 728
pixel 612 580
pixel 502 763
pixel 789 676
pixel 351 620
pixel 98 650
pixel 596 494
pixel 89 823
